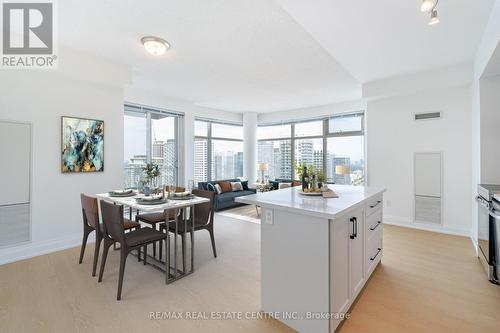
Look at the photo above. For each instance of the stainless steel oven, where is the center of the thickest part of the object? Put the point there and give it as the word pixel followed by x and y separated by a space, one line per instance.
pixel 488 200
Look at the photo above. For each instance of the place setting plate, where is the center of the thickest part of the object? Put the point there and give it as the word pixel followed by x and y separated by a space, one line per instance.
pixel 122 193
pixel 151 201
pixel 183 196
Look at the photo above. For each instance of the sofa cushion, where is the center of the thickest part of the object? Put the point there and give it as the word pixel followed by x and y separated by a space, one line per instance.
pixel 236 186
pixel 225 186
pixel 211 187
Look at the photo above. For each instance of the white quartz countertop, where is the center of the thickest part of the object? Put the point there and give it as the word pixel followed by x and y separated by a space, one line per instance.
pixel 349 198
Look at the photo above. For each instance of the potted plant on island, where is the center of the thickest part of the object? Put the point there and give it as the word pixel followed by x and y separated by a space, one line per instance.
pixel 321 178
pixel 301 170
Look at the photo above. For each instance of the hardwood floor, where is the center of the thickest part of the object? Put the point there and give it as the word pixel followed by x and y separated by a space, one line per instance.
pixel 427 282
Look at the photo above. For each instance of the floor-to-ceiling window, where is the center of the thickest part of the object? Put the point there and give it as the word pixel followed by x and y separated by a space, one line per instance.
pixel 218 150
pixel 151 135
pixel 334 144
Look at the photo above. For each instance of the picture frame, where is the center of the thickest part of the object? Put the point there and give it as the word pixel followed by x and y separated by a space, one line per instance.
pixel 82 145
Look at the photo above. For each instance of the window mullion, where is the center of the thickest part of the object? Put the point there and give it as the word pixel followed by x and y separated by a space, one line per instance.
pixel 148 138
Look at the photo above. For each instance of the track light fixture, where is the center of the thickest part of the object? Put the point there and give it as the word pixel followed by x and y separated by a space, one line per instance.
pixel 429 6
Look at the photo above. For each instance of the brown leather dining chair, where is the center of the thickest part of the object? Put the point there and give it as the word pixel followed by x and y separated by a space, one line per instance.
pixel 158 218
pixel 203 220
pixel 90 213
pixel 112 216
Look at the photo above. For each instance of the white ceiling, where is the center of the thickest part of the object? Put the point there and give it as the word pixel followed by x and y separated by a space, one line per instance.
pixel 376 39
pixel 265 55
pixel 233 55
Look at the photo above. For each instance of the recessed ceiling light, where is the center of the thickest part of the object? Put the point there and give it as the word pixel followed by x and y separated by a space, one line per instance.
pixel 434 18
pixel 155 45
pixel 427 5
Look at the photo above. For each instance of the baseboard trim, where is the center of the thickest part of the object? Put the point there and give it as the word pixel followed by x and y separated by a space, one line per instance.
pixel 404 222
pixel 30 250
pixel 474 243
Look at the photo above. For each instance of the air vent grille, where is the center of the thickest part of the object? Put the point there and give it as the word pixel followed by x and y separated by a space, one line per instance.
pixel 427 115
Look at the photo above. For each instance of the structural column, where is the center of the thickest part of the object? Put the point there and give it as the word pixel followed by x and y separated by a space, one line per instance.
pixel 250 146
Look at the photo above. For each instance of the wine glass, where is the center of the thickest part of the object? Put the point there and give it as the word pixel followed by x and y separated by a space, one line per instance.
pixel 171 190
pixel 190 185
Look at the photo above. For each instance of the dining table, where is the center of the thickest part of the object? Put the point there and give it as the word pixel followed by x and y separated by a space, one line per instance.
pixel 183 208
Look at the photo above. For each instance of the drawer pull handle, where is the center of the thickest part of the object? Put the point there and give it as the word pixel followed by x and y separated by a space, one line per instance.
pixel 354 228
pixel 375 205
pixel 376 225
pixel 376 254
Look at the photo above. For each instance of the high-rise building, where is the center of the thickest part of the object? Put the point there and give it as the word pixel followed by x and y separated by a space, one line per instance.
pixel 318 159
pixel 200 160
pixel 304 152
pixel 285 160
pixel 238 164
pixel 133 170
pixel 169 173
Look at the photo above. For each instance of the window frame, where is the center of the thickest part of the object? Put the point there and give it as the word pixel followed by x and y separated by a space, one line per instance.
pixel 209 139
pixel 325 135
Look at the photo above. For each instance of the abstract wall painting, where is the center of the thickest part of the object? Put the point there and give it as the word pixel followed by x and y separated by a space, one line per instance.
pixel 82 145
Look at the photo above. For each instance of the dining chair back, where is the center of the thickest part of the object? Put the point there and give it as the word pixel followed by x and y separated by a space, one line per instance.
pixel 203 220
pixel 155 219
pixel 177 189
pixel 204 213
pixel 112 218
pixel 90 214
pixel 90 211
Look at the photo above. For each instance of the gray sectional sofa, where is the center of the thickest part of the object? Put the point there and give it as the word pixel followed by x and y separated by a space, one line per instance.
pixel 226 200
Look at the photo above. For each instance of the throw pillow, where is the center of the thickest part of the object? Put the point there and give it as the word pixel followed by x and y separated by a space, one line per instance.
pixel 236 186
pixel 244 184
pixel 225 187
pixel 211 187
pixel 218 189
pixel 295 183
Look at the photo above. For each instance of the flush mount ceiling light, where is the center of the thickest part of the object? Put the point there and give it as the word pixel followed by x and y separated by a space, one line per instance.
pixel 429 6
pixel 155 45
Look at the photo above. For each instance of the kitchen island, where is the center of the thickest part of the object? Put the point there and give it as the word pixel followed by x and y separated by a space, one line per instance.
pixel 317 253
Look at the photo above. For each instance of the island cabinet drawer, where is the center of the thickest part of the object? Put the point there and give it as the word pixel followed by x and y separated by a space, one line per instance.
pixel 374 205
pixel 373 251
pixel 373 224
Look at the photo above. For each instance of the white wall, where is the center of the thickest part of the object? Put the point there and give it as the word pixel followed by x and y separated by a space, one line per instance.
pixel 441 78
pixel 190 110
pixel 490 133
pixel 393 138
pixel 42 97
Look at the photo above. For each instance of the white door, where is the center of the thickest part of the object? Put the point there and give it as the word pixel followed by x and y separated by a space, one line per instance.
pixel 356 253
pixel 15 155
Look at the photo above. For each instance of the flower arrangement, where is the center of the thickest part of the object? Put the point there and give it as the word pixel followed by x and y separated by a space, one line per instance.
pixel 152 171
